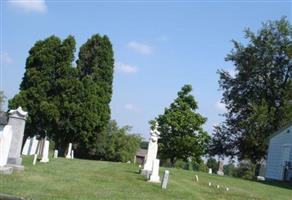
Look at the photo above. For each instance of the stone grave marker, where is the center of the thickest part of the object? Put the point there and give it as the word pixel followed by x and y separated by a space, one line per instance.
pixel 210 171
pixel 56 153
pixel 5 143
pixel 165 179
pixel 17 120
pixel 221 168
pixel 154 178
pixel 69 151
pixel 45 155
pixel 152 150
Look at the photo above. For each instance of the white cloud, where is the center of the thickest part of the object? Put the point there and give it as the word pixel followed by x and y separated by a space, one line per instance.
pixel 30 5
pixel 126 68
pixel 221 106
pixel 5 58
pixel 132 107
pixel 140 47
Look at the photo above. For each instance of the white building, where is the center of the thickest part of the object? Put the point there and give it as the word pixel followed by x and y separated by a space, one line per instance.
pixel 279 161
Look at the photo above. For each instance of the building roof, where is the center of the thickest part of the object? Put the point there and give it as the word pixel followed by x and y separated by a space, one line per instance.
pixel 142 152
pixel 280 130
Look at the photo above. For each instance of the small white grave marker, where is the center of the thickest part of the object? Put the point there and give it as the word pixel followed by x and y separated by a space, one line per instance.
pixel 210 184
pixel 218 186
pixel 69 151
pixel 165 179
pixel 35 159
pixel 56 153
pixel 197 178
pixel 227 189
pixel 210 171
pixel 72 154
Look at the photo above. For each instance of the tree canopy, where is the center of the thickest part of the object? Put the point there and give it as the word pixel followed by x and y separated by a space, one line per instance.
pixel 182 135
pixel 258 97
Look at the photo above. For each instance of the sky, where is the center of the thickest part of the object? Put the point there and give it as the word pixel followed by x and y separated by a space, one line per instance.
pixel 158 47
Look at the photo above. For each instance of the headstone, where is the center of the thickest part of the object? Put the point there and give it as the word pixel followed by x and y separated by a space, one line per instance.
pixel 69 151
pixel 154 178
pixel 221 168
pixel 262 171
pixel 17 120
pixel 210 171
pixel 33 146
pixel 72 154
pixel 56 153
pixel 227 189
pixel 35 159
pixel 165 179
pixel 152 150
pixel 197 178
pixel 45 156
pixel 218 186
pixel 5 142
pixel 210 184
pixel 26 146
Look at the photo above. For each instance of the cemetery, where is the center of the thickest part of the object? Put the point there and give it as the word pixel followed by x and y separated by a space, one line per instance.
pixel 198 115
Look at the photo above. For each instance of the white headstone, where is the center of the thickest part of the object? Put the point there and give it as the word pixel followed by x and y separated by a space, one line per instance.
pixel 197 178
pixel 33 146
pixel 5 142
pixel 56 153
pixel 152 149
pixel 26 146
pixel 210 170
pixel 72 154
pixel 165 179
pixel 227 189
pixel 35 159
pixel 210 184
pixel 155 172
pixel 69 151
pixel 45 156
pixel 218 186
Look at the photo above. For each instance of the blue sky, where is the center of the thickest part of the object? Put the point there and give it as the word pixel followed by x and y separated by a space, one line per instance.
pixel 159 46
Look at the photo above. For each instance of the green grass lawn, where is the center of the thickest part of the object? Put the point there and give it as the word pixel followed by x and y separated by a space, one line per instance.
pixel 83 179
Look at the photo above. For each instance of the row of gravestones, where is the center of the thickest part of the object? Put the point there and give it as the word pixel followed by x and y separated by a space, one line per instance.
pixel 40 148
pixel 151 166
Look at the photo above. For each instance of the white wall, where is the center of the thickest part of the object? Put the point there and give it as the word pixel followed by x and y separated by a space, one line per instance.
pixel 274 168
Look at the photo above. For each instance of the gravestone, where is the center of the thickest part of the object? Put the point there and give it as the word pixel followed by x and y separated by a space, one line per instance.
pixel 26 146
pixel 165 179
pixel 30 146
pixel 56 152
pixel 154 178
pixel 69 151
pixel 17 120
pixel 33 146
pixel 72 154
pixel 221 168
pixel 5 142
pixel 35 159
pixel 152 150
pixel 210 171
pixel 45 153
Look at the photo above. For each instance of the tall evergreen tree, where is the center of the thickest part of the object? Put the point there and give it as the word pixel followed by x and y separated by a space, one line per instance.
pixel 258 97
pixel 95 67
pixel 37 88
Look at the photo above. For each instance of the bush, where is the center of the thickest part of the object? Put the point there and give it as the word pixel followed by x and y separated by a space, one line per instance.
pixel 245 170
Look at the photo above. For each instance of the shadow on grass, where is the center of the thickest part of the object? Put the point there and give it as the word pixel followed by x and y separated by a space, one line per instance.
pixel 281 184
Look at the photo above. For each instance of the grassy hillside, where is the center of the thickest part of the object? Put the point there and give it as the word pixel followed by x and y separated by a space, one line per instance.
pixel 83 179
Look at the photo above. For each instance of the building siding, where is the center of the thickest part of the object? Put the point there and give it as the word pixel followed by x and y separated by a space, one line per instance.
pixel 274 168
